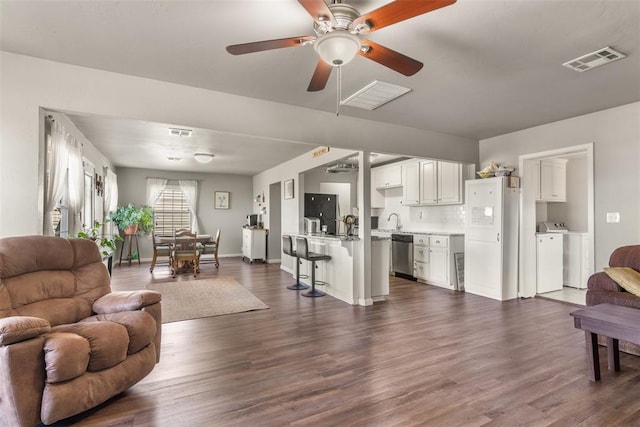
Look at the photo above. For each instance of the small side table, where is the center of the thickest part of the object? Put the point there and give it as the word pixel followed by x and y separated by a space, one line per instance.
pixel 130 238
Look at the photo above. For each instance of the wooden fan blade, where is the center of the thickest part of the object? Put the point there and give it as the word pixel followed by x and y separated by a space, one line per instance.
pixel 390 58
pixel 397 11
pixel 318 10
pixel 320 76
pixel 241 49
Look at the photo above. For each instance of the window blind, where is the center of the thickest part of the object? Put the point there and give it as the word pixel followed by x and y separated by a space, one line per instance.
pixel 171 211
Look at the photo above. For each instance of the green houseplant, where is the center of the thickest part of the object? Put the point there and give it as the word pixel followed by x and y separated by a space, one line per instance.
pixel 129 218
pixel 106 243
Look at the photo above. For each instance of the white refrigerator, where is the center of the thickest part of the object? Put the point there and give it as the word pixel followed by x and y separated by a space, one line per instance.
pixel 491 238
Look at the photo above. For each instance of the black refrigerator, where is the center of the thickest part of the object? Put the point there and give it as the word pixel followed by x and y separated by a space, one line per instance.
pixel 324 207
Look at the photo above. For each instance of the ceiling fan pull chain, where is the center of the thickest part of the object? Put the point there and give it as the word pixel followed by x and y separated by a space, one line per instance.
pixel 339 90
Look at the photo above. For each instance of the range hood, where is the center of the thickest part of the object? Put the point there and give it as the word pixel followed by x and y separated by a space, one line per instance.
pixel 341 167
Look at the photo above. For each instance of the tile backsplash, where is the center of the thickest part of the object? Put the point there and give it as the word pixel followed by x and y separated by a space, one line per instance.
pixel 448 218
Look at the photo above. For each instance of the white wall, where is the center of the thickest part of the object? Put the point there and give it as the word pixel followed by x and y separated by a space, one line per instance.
pixel 615 134
pixel 132 189
pixel 29 83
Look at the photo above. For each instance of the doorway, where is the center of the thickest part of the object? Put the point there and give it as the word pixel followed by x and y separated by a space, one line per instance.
pixel 531 212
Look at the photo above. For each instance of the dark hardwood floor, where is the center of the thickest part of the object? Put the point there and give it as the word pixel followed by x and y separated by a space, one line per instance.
pixel 426 356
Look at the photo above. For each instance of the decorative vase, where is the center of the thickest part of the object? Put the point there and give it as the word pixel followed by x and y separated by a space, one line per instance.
pixel 131 230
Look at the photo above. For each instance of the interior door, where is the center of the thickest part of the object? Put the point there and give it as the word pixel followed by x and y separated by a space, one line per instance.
pixel 483 237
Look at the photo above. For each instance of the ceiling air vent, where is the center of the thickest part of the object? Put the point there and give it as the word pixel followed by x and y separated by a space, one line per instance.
pixel 594 59
pixel 180 132
pixel 374 95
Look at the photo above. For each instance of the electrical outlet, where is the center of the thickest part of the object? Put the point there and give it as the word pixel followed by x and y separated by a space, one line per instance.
pixel 613 217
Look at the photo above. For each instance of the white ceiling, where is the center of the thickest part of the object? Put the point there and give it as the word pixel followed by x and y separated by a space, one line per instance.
pixel 490 66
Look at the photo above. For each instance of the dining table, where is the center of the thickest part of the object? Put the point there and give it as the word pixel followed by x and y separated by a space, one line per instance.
pixel 200 238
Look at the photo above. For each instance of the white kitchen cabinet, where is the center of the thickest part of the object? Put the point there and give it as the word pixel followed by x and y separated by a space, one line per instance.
pixel 411 180
pixel 576 260
pixel 433 257
pixel 389 176
pixel 552 180
pixel 449 183
pixel 428 182
pixel 440 183
pixel 254 244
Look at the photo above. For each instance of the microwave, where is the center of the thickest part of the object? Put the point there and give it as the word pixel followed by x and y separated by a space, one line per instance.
pixel 252 220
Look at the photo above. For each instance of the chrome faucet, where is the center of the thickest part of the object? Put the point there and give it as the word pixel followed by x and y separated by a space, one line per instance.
pixel 398 225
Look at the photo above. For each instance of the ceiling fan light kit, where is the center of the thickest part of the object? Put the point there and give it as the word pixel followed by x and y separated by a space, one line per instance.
pixel 337 47
pixel 337 27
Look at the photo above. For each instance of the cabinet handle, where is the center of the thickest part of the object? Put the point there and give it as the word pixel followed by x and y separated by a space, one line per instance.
pixel 498 237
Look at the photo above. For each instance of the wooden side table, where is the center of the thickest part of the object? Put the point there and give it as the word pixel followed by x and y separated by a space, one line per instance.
pixel 130 238
pixel 615 322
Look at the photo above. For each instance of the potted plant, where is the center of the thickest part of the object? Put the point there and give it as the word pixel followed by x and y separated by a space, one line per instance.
pixel 106 244
pixel 129 218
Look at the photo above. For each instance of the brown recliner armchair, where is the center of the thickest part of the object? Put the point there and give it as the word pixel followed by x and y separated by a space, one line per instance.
pixel 67 343
pixel 602 289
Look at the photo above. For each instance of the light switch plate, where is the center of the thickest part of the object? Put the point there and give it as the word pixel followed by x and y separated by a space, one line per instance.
pixel 613 217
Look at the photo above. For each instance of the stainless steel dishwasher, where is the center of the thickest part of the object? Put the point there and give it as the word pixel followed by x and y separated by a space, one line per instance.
pixel 402 255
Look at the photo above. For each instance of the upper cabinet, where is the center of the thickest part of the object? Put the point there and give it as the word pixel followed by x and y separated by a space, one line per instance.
pixel 411 179
pixel 389 176
pixel 441 183
pixel 552 180
pixel 432 182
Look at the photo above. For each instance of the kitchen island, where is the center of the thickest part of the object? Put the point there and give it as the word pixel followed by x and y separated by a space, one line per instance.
pixel 340 275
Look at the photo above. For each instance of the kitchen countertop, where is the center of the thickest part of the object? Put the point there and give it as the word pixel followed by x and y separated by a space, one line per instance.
pixel 341 237
pixel 329 236
pixel 437 233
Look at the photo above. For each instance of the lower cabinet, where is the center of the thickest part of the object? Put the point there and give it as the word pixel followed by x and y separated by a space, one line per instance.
pixel 254 244
pixel 433 257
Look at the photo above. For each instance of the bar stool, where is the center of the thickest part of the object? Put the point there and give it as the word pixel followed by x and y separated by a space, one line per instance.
pixel 287 248
pixel 302 251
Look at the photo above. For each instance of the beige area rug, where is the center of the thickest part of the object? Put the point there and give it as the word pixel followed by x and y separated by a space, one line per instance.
pixel 204 298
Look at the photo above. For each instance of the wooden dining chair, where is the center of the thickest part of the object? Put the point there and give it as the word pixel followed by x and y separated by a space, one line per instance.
pixel 160 250
pixel 185 254
pixel 211 248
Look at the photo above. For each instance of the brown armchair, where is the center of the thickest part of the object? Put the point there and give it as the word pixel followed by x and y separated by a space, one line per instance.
pixel 602 289
pixel 67 343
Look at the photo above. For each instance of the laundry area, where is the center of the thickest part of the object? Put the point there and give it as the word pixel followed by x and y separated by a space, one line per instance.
pixel 562 239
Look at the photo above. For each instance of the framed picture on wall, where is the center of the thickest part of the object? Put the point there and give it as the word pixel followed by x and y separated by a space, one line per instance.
pixel 221 200
pixel 288 189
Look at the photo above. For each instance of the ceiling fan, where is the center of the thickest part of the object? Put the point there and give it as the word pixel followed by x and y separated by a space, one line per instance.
pixel 338 27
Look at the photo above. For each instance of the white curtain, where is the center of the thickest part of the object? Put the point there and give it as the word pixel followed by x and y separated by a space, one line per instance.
pixel 57 174
pixel 190 189
pixel 76 184
pixel 110 192
pixel 110 202
pixel 154 188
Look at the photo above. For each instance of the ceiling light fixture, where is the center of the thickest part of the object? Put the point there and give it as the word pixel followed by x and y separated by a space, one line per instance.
pixel 180 132
pixel 337 47
pixel 203 157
